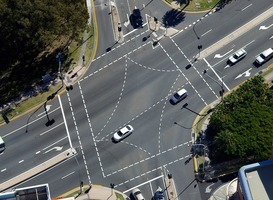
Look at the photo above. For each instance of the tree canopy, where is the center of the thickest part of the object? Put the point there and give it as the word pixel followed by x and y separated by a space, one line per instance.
pixel 31 30
pixel 242 125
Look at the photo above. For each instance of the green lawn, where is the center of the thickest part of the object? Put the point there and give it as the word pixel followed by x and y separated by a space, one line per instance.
pixel 196 5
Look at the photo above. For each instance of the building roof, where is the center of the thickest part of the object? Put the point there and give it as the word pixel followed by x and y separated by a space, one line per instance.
pixel 256 180
pixel 37 192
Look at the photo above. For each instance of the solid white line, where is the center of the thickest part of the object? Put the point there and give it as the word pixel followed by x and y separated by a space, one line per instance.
pixel 3 170
pixel 248 43
pixel 246 7
pixel 27 124
pixel 66 127
pixel 51 129
pixel 143 183
pixel 21 161
pixel 216 74
pixel 206 32
pixel 68 175
pixel 38 152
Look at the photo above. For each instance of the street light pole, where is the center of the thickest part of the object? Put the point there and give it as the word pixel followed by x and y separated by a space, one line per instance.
pixel 220 84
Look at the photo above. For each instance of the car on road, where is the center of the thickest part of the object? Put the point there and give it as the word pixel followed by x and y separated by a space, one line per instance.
pixel 237 56
pixel 136 19
pixel 122 133
pixel 264 56
pixel 137 194
pixel 179 96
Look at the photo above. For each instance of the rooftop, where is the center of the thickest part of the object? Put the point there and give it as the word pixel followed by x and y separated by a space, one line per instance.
pixel 256 180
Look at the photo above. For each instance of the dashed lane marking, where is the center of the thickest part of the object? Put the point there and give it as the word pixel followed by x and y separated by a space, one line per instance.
pixel 183 74
pixel 79 138
pixel 151 157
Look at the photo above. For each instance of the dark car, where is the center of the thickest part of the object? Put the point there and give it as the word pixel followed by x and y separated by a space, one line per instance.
pixel 136 19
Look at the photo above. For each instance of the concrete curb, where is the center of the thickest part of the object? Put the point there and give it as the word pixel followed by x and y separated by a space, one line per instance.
pixel 38 169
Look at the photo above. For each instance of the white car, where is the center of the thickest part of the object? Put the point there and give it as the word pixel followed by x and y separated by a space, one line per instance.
pixel 137 194
pixel 122 133
pixel 178 96
pixel 237 56
pixel 264 56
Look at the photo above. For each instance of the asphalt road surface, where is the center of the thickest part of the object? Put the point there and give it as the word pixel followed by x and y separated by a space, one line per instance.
pixel 132 84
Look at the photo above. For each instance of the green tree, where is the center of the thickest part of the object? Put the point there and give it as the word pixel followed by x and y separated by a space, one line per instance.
pixel 242 125
pixel 31 33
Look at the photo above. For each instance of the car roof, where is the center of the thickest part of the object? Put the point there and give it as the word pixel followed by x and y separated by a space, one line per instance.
pixel 267 52
pixel 240 52
pixel 181 92
pixel 124 130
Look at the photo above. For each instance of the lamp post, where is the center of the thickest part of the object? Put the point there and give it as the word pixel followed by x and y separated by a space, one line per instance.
pixel 204 153
pixel 220 84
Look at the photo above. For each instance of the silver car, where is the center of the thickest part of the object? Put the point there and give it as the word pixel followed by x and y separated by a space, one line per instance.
pixel 122 133
pixel 237 56
pixel 137 194
pixel 178 96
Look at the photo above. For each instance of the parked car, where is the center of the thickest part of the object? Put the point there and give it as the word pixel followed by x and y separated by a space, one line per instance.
pixel 136 19
pixel 179 96
pixel 237 56
pixel 264 56
pixel 122 133
pixel 137 194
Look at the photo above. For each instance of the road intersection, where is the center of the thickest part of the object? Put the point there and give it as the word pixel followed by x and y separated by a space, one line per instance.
pixel 132 84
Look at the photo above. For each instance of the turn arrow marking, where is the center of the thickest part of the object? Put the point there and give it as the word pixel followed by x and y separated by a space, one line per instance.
pixel 220 56
pixel 246 74
pixel 265 27
pixel 208 189
pixel 54 148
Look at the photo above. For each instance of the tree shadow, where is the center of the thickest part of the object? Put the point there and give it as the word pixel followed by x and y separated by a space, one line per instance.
pixel 172 18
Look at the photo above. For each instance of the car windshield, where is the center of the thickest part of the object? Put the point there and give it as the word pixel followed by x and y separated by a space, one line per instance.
pixel 262 56
pixel 119 133
pixel 176 95
pixel 235 56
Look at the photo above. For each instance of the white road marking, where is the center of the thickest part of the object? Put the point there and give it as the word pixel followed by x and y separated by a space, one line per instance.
pixel 65 124
pixel 246 7
pixel 143 183
pixel 68 175
pixel 216 74
pixel 3 170
pixel 181 70
pixel 195 70
pixel 127 22
pixel 248 44
pixel 54 148
pixel 28 124
pixel 206 33
pixel 271 37
pixel 54 143
pixel 265 27
pixel 21 161
pixel 208 189
pixel 220 56
pixel 151 157
pixel 51 129
pixel 246 74
pixel 153 170
pixel 38 152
